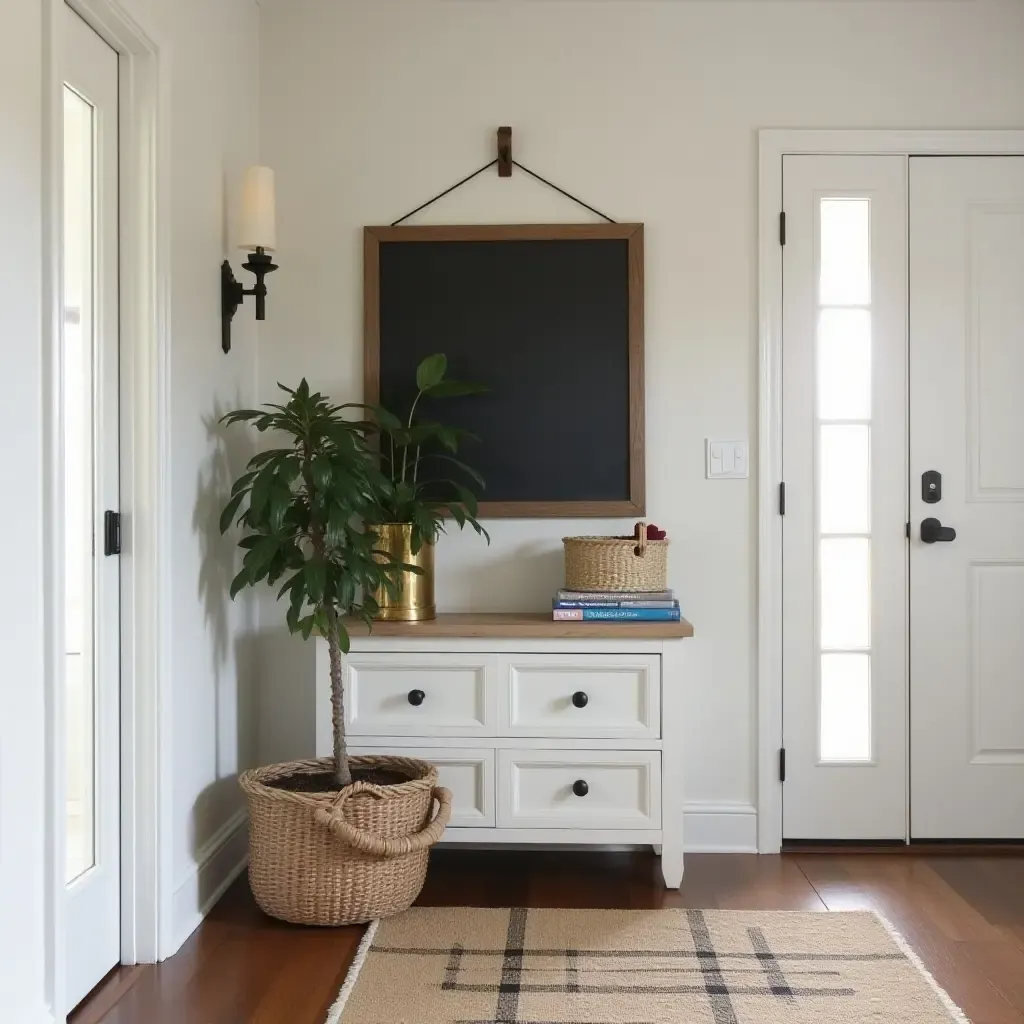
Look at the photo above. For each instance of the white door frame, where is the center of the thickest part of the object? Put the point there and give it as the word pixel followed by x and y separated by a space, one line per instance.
pixel 773 144
pixel 144 356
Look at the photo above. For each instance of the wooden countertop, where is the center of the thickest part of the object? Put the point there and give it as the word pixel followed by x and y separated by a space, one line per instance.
pixel 521 625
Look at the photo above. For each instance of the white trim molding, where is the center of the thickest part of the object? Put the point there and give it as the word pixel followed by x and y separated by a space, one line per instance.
pixel 773 144
pixel 145 330
pixel 719 827
pixel 220 860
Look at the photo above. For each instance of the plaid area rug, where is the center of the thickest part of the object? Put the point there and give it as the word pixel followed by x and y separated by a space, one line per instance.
pixel 479 966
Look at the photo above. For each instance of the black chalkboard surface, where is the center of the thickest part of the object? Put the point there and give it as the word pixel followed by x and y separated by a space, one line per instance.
pixel 550 318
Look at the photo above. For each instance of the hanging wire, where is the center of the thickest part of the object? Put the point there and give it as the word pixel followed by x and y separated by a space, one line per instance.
pixel 516 163
pixel 441 195
pixel 568 195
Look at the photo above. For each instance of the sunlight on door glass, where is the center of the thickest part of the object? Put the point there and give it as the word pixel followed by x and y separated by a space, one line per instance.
pixel 845 593
pixel 844 364
pixel 78 482
pixel 844 454
pixel 843 357
pixel 845 240
pixel 845 707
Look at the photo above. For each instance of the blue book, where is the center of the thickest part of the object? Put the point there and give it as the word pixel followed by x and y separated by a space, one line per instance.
pixel 614 604
pixel 616 614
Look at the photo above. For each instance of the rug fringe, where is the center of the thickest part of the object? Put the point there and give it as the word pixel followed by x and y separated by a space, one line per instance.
pixel 338 1006
pixel 954 1011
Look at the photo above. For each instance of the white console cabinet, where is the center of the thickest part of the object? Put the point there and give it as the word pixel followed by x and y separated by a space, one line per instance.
pixel 545 732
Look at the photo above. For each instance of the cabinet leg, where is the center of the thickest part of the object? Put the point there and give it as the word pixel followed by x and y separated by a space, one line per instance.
pixel 672 866
pixel 657 849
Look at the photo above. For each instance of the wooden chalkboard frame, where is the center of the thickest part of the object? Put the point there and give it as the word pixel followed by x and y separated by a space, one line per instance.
pixel 633 234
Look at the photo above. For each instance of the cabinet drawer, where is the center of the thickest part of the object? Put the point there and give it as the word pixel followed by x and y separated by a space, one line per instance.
pixel 468 773
pixel 582 696
pixel 419 695
pixel 620 789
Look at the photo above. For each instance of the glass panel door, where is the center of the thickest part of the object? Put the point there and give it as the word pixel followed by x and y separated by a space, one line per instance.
pixel 844 464
pixel 79 478
pixel 89 435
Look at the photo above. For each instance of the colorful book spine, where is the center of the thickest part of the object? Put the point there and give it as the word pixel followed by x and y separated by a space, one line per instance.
pixel 615 596
pixel 616 614
pixel 615 604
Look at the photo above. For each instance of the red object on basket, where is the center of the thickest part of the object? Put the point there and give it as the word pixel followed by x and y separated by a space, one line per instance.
pixel 653 533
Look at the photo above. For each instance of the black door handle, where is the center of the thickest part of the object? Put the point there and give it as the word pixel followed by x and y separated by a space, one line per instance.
pixel 580 787
pixel 416 697
pixel 932 530
pixel 580 699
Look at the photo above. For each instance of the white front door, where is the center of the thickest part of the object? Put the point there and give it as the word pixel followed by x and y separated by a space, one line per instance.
pixel 844 460
pixel 89 414
pixel 967 433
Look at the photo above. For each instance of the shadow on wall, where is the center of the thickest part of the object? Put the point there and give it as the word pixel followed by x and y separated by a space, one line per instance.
pixel 230 634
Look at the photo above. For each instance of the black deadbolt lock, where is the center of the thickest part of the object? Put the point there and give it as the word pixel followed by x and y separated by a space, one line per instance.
pixel 931 486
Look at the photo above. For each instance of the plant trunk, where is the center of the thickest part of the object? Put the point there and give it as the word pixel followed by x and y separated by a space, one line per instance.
pixel 342 773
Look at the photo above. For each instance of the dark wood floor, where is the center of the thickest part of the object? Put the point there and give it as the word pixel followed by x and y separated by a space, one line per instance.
pixel 964 915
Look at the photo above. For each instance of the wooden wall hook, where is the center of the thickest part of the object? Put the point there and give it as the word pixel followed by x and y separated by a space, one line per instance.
pixel 504 152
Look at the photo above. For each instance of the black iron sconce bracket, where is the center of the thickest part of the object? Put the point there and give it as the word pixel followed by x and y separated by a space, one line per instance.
pixel 232 293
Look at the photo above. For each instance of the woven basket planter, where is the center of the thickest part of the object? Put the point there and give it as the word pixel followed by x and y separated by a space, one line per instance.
pixel 616 563
pixel 344 857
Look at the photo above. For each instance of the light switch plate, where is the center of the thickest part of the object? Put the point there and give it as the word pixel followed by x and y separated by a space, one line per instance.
pixel 726 460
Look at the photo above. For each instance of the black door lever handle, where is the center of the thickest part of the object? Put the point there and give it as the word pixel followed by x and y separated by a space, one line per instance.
pixel 932 530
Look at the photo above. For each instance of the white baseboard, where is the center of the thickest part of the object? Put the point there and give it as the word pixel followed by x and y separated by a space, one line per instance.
pixel 221 859
pixel 719 828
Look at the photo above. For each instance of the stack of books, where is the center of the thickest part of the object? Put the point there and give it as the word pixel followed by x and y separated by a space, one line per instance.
pixel 616 605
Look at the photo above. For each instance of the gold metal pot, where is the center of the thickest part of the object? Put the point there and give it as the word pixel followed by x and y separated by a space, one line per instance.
pixel 416 598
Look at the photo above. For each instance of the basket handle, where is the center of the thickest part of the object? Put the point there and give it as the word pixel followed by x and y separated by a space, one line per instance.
pixel 379 846
pixel 640 532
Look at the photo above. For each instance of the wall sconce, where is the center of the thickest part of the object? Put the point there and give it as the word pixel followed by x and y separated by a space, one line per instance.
pixel 257 236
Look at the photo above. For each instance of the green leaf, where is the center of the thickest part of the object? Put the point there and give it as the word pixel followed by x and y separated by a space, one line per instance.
pixel 316 578
pixel 261 489
pixel 259 558
pixel 228 515
pixel 430 372
pixel 241 581
pixel 468 498
pixel 242 482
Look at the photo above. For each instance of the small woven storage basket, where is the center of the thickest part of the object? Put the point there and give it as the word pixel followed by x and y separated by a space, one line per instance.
pixel 616 563
pixel 344 857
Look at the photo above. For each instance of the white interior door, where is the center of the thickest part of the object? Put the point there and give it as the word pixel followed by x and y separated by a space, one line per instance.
pixel 967 424
pixel 89 414
pixel 845 470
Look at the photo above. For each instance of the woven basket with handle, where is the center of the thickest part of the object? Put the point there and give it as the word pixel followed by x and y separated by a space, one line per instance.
pixel 342 857
pixel 616 563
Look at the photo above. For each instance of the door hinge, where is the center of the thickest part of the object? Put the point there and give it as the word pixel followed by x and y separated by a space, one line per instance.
pixel 782 498
pixel 111 533
pixel 782 228
pixel 908 531
pixel 782 764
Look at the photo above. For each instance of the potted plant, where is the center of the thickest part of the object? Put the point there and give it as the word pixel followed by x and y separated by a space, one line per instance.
pixel 334 840
pixel 420 490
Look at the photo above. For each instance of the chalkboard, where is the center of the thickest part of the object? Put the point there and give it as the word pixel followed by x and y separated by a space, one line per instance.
pixel 550 319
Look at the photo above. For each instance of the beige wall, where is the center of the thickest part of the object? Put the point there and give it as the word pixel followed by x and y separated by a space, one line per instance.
pixel 649 111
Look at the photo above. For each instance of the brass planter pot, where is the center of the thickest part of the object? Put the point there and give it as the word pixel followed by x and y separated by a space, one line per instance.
pixel 415 601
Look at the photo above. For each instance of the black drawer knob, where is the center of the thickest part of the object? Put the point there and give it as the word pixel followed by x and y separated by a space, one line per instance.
pixel 580 787
pixel 580 699
pixel 416 697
